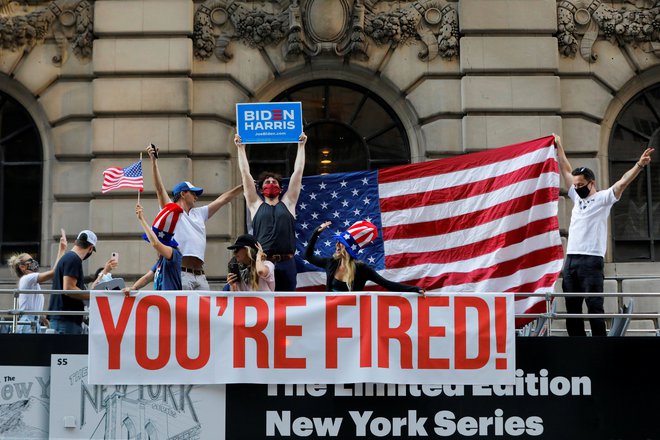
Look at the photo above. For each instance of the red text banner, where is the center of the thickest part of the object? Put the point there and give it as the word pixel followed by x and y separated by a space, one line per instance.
pixel 193 338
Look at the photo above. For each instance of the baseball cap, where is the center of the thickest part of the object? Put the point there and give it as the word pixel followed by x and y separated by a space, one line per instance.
pixel 89 237
pixel 186 186
pixel 244 240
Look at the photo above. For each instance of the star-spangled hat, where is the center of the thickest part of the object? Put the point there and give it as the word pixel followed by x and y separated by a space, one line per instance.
pixel 359 235
pixel 164 224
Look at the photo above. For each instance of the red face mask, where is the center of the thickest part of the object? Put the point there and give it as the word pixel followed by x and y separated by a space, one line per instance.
pixel 271 190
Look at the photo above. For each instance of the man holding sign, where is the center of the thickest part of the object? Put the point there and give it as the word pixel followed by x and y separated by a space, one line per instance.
pixel 273 217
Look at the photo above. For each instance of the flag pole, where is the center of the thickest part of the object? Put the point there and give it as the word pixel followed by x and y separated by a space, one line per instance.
pixel 138 189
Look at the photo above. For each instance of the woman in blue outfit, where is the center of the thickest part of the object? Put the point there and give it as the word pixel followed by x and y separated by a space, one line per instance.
pixel 344 272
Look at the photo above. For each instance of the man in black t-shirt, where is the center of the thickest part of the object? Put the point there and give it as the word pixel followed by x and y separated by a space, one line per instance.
pixel 273 218
pixel 69 276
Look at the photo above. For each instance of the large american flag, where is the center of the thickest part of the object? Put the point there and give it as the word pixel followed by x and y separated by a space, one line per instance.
pixel 481 222
pixel 129 177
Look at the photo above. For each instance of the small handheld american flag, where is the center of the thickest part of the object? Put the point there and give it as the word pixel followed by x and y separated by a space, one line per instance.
pixel 129 177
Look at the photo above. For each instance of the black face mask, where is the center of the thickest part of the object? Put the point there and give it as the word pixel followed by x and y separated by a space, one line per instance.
pixel 583 191
pixel 33 265
pixel 89 254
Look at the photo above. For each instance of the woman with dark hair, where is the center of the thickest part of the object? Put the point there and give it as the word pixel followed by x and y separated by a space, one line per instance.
pixel 26 269
pixel 344 271
pixel 253 272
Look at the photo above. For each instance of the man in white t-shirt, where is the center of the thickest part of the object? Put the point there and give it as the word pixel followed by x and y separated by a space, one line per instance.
pixel 587 237
pixel 190 230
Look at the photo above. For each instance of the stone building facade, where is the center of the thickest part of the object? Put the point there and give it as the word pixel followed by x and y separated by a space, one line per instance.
pixel 101 79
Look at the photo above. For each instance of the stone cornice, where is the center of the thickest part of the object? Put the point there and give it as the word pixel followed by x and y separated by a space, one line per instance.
pixel 69 22
pixel 311 27
pixel 581 22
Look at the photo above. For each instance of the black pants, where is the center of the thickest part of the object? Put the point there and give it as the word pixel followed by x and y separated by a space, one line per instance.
pixel 584 273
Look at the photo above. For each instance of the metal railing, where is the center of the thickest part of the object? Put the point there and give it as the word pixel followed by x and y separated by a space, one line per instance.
pixel 548 317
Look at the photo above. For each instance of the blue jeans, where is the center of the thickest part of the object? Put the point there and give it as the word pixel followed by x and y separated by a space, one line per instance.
pixel 27 328
pixel 584 273
pixel 62 326
pixel 285 276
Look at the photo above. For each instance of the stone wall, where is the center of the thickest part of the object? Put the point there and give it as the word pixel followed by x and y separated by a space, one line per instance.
pixel 143 83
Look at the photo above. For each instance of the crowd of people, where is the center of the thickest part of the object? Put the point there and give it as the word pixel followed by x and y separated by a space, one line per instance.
pixel 264 260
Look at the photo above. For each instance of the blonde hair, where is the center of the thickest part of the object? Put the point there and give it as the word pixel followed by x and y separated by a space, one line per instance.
pixel 253 275
pixel 16 260
pixel 349 263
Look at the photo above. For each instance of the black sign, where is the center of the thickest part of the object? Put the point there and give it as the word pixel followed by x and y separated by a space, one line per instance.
pixel 566 388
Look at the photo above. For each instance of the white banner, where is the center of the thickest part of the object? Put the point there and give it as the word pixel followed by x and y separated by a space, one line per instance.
pixel 192 338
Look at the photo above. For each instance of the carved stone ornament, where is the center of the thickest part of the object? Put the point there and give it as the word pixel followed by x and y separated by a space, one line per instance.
pixel 342 27
pixel 581 22
pixel 67 21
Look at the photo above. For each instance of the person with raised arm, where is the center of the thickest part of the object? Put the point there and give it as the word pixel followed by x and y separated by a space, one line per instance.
pixel 273 217
pixel 166 273
pixel 587 237
pixel 191 229
pixel 26 269
pixel 344 271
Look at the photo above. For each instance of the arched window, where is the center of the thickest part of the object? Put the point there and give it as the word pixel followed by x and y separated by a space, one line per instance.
pixel 636 217
pixel 20 180
pixel 349 128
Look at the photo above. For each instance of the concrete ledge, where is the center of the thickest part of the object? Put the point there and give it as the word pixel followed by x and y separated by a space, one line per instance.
pixel 405 67
pixel 434 96
pixel 585 96
pixel 480 132
pixel 611 67
pixel 247 66
pixel 143 16
pixel 67 98
pixel 123 135
pixel 215 176
pixel 443 136
pixel 143 55
pixel 511 93
pixel 8 60
pixel 154 95
pixel 72 216
pixel 212 137
pixel 117 216
pixel 580 135
pixel 36 71
pixel 508 54
pixel 73 179
pixel 213 97
pixel 73 139
pixel 479 16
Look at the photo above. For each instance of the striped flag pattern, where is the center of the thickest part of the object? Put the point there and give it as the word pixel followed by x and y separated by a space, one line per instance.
pixel 167 218
pixel 481 222
pixel 129 177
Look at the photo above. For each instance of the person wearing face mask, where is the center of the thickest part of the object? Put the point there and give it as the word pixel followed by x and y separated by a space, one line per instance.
pixel 69 276
pixel 29 277
pixel 587 237
pixel 273 218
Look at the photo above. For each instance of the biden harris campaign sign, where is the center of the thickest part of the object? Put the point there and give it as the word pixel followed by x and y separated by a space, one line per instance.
pixel 271 122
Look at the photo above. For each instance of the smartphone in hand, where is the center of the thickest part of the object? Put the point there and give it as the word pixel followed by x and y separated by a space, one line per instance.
pixel 115 256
